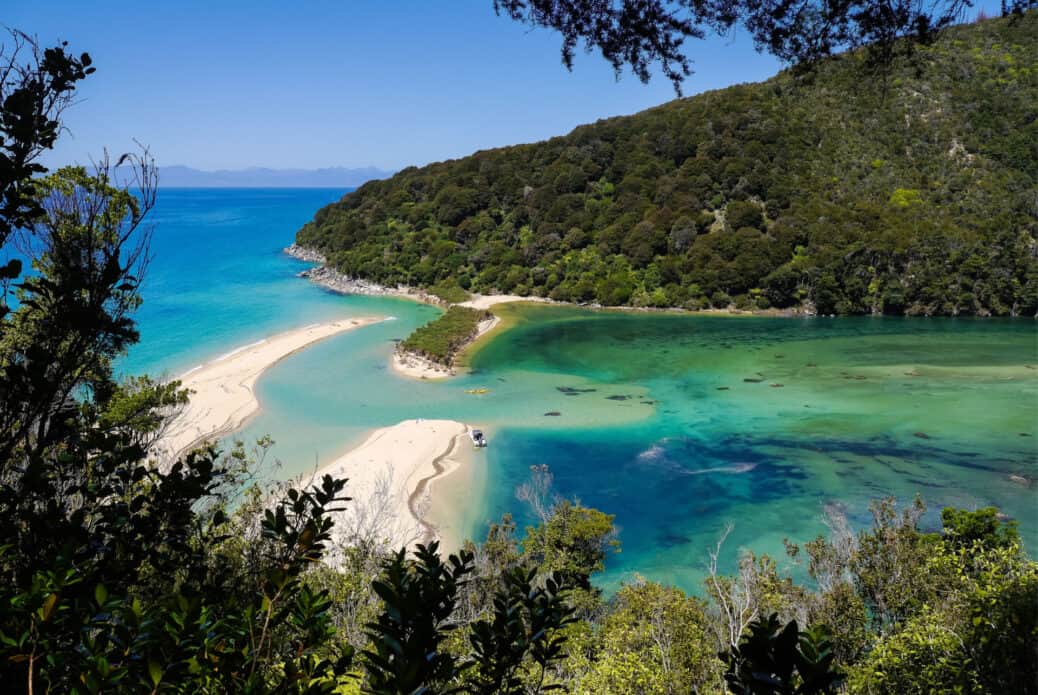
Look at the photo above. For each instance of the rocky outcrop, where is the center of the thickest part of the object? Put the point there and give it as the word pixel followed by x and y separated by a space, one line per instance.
pixel 344 284
pixel 304 254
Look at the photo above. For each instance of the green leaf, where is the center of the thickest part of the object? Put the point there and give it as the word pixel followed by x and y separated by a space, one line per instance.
pixel 155 671
pixel 48 607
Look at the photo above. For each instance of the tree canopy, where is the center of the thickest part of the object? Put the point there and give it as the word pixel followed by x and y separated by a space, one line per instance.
pixel 829 192
pixel 639 34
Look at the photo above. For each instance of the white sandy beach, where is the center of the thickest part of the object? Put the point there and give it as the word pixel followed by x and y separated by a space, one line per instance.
pixel 390 479
pixel 486 301
pixel 223 391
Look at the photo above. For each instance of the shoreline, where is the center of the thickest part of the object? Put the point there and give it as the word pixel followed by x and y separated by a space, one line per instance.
pixel 335 281
pixel 223 397
pixel 391 475
pixel 414 366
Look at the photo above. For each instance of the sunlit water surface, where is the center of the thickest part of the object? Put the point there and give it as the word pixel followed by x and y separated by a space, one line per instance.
pixel 677 424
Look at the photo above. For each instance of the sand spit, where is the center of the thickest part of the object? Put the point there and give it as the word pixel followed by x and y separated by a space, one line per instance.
pixel 223 391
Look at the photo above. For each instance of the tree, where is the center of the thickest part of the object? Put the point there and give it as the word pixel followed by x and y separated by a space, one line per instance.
pixel 117 574
pixel 528 619
pixel 775 660
pixel 840 245
pixel 743 213
pixel 654 639
pixel 35 88
pixel 963 528
pixel 640 33
pixel 977 635
pixel 574 542
pixel 419 596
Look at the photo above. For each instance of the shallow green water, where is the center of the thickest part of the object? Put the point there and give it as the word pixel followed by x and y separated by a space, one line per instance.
pixel 684 431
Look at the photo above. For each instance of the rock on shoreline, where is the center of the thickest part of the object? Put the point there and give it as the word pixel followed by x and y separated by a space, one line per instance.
pixel 335 281
pixel 304 254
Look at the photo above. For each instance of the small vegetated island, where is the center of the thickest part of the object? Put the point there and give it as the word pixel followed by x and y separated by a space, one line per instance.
pixel 839 191
pixel 441 340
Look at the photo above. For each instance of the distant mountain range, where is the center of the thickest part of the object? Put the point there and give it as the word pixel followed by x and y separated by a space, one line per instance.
pixel 177 176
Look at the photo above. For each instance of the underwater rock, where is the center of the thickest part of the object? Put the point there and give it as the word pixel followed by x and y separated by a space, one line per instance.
pixel 1020 479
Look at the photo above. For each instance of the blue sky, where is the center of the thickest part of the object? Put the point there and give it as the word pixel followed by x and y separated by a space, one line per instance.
pixel 313 83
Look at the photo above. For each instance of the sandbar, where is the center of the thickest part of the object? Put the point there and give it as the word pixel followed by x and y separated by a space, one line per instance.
pixel 223 394
pixel 486 301
pixel 390 479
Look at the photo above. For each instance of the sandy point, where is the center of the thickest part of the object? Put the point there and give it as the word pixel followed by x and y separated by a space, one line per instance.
pixel 390 480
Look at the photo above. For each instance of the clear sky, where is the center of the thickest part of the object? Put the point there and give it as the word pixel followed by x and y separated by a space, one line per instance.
pixel 314 83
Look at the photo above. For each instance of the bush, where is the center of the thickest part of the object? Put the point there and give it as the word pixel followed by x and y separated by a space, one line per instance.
pixel 742 213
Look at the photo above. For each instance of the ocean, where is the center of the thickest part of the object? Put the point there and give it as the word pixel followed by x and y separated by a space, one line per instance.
pixel 679 425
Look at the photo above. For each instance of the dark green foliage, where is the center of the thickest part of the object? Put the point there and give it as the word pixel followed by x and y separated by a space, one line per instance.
pixel 120 574
pixel 35 87
pixel 409 654
pixel 419 598
pixel 572 542
pixel 640 33
pixel 116 574
pixel 841 192
pixel 449 291
pixel 775 660
pixel 440 340
pixel 741 213
pixel 526 625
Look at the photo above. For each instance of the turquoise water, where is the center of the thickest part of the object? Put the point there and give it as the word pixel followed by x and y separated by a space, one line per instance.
pixel 217 278
pixel 672 423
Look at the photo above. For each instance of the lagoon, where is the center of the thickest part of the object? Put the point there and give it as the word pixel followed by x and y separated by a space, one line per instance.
pixel 677 424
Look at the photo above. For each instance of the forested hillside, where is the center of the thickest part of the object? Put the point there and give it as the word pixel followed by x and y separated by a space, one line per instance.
pixel 837 191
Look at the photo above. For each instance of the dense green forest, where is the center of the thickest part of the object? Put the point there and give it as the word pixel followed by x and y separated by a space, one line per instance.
pixel 837 190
